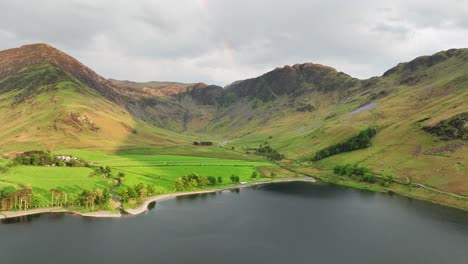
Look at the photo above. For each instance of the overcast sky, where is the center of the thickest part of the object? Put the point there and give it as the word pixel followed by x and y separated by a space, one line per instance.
pixel 220 41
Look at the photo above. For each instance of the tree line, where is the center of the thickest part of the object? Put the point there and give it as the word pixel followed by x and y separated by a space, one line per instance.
pixel 46 158
pixel 268 152
pixel 362 140
pixel 17 199
pixel 362 174
pixel 203 143
pixel 137 192
pixel 193 181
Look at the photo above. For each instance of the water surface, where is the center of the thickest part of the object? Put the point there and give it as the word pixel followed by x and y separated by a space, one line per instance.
pixel 277 223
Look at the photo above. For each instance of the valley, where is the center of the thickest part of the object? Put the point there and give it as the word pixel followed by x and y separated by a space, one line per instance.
pixel 272 126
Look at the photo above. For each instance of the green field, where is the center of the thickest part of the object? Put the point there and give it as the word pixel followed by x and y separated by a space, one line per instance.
pixel 160 170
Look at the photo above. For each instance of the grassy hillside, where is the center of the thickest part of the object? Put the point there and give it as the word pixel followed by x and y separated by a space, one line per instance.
pixel 397 107
pixel 49 101
pixel 44 107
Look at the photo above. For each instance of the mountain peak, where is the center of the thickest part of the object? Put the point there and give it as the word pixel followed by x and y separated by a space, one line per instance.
pixel 306 65
pixel 292 80
pixel 37 45
pixel 13 60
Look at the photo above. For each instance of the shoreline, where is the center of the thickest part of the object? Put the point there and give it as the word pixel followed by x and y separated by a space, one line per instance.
pixel 143 207
pixel 51 210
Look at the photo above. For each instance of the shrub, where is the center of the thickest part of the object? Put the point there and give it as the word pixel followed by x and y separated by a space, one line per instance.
pixel 234 179
pixel 211 180
pixel 254 174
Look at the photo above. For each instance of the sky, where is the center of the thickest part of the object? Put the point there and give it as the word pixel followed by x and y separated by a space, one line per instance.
pixel 221 41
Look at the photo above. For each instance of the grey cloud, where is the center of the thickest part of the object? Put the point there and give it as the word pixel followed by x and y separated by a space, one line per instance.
pixel 223 41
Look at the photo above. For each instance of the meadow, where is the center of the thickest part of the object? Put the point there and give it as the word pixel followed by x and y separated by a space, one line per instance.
pixel 160 170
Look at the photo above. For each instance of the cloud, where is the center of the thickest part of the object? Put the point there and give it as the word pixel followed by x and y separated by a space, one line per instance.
pixel 218 41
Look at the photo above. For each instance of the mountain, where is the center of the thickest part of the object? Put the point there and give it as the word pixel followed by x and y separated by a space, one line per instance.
pixel 175 106
pixel 415 106
pixel 292 80
pixel 50 100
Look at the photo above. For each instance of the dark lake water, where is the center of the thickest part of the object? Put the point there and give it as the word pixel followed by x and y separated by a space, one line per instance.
pixel 277 223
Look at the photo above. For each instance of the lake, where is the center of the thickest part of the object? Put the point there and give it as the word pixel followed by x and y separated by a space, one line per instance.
pixel 276 223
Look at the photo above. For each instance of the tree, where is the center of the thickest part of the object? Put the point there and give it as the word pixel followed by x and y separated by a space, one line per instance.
pixel 234 179
pixel 202 182
pixel 368 177
pixel 124 195
pixel 35 160
pixel 220 180
pixel 98 193
pixel 107 171
pixel 132 194
pixel 120 178
pixel 140 190
pixel 211 180
pixel 254 174
pixel 150 189
pixel 180 184
pixel 193 184
pixel 106 195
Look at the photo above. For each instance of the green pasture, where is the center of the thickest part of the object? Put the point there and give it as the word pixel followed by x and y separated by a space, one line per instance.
pixel 160 170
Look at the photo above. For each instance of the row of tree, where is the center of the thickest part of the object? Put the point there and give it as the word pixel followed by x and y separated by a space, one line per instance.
pixel 362 140
pixel 203 143
pixel 268 152
pixel 24 199
pixel 137 192
pixel 46 158
pixel 19 199
pixel 89 199
pixel 362 173
pixel 193 181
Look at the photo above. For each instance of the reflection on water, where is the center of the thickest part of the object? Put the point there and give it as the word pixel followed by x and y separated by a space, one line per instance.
pixel 21 219
pixel 151 205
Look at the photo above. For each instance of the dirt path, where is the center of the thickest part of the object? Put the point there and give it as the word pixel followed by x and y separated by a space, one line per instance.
pixel 415 183
pixel 439 191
